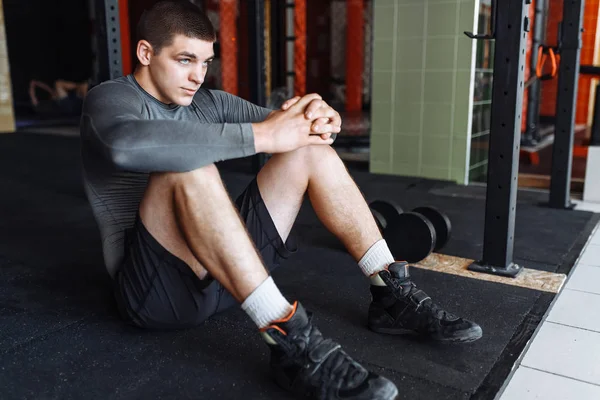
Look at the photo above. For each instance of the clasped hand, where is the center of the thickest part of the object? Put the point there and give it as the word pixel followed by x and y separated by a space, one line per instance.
pixel 325 120
pixel 302 121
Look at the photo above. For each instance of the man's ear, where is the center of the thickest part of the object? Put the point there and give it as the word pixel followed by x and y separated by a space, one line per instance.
pixel 144 52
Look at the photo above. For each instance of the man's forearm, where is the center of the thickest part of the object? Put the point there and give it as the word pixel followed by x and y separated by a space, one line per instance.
pixel 261 136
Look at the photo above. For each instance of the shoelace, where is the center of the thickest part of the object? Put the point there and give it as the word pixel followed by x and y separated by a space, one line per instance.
pixel 338 366
pixel 435 309
pixel 409 288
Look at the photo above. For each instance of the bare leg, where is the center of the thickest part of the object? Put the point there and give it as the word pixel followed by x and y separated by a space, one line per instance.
pixel 192 216
pixel 336 199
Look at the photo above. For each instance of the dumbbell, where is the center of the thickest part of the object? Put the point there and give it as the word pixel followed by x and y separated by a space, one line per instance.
pixel 384 211
pixel 441 224
pixel 411 236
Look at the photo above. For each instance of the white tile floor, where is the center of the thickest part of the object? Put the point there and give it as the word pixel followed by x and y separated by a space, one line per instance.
pixel 562 361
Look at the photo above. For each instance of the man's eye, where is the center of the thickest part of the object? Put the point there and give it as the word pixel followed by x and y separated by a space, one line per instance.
pixel 185 61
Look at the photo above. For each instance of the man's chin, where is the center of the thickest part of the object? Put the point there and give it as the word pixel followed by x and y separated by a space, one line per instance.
pixel 184 101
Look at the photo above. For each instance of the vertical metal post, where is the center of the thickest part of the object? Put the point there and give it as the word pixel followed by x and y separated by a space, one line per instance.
pixel 290 40
pixel 568 81
pixel 595 137
pixel 505 135
pixel 256 38
pixel 256 67
pixel 95 77
pixel 532 135
pixel 125 35
pixel 108 40
pixel 300 37
pixel 278 47
pixel 228 37
pixel 355 45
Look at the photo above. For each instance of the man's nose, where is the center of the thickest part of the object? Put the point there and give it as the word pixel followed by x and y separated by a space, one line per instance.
pixel 197 77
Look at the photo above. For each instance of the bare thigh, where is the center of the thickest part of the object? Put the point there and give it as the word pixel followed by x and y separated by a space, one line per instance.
pixel 157 213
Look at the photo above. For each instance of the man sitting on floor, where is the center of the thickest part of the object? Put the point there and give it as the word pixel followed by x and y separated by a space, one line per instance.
pixel 179 250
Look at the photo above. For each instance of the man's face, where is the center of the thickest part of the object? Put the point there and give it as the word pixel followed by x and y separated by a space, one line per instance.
pixel 178 71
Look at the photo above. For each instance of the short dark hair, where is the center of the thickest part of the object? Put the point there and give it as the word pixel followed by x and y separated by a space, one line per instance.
pixel 168 18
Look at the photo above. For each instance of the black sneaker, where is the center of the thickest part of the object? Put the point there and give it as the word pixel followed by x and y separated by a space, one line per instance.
pixel 306 363
pixel 400 308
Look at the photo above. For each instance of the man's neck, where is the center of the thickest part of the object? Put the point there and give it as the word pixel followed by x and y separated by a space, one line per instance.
pixel 142 77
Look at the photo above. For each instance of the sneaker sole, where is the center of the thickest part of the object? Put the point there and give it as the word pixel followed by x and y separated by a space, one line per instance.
pixel 284 383
pixel 465 336
pixel 392 395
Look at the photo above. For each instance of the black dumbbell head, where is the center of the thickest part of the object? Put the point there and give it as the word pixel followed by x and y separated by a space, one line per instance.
pixel 441 223
pixel 410 237
pixel 384 211
pixel 379 219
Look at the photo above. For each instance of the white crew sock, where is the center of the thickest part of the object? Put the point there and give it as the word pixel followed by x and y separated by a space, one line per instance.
pixel 266 304
pixel 376 259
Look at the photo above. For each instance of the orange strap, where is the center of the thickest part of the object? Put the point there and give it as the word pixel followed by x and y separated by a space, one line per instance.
pixel 542 55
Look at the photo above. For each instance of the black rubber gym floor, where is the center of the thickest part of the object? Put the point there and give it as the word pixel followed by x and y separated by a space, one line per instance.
pixel 60 337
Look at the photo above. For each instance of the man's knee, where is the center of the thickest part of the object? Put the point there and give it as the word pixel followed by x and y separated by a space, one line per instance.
pixel 197 182
pixel 313 153
pixel 322 151
pixel 190 182
pixel 202 175
pixel 319 155
pixel 305 161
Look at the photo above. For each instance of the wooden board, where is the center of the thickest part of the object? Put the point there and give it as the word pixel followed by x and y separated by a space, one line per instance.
pixel 527 278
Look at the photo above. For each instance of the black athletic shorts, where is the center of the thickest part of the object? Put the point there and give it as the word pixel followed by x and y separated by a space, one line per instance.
pixel 155 289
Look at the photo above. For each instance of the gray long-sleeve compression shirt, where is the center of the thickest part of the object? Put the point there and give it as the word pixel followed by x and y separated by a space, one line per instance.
pixel 126 134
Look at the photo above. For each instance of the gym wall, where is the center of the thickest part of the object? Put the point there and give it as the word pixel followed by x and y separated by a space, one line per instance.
pixel 423 67
pixel 7 119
